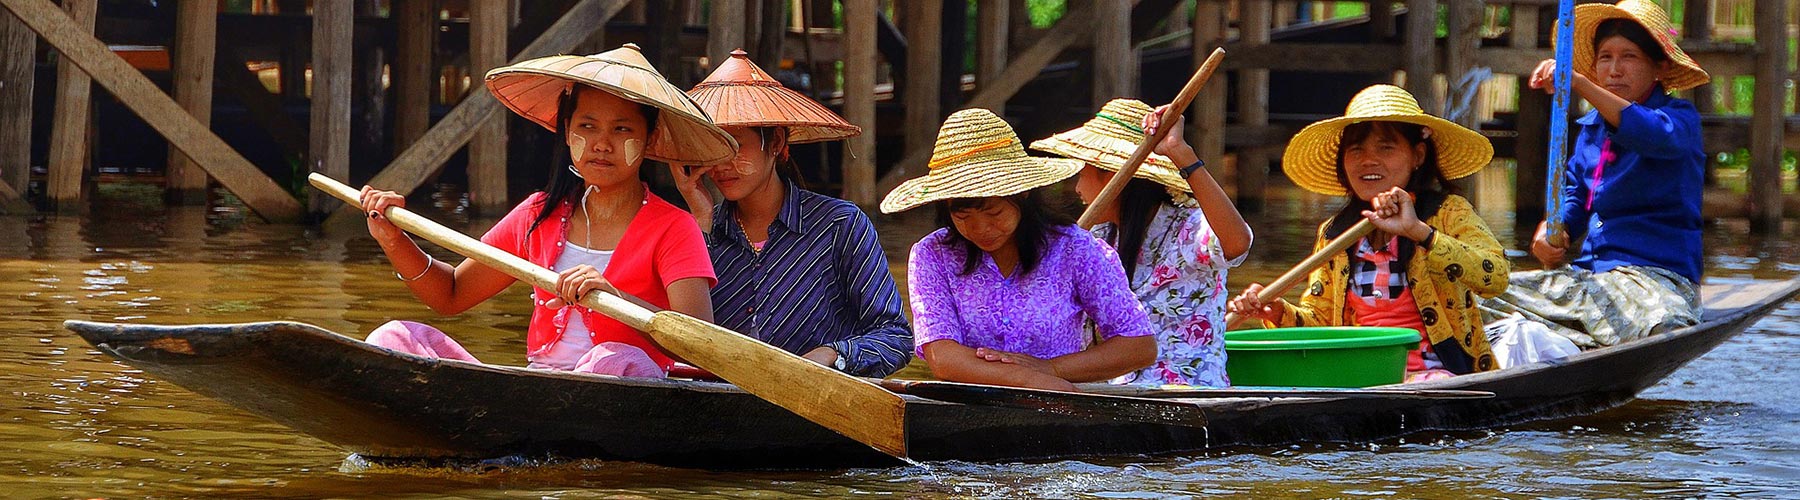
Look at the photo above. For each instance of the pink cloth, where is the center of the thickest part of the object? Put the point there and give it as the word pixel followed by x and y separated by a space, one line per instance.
pixel 607 358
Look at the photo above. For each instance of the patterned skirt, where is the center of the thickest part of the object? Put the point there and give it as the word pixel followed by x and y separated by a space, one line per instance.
pixel 1599 309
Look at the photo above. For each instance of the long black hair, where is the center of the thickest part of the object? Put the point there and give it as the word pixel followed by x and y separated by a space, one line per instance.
pixel 1138 204
pixel 1632 32
pixel 1031 235
pixel 564 186
pixel 1428 185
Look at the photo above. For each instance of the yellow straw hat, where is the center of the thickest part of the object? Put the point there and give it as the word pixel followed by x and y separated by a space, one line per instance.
pixel 1311 156
pixel 977 155
pixel 739 94
pixel 1108 141
pixel 1684 73
pixel 684 134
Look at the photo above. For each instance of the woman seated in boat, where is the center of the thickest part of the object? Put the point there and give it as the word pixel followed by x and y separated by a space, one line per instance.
pixel 797 269
pixel 1429 256
pixel 1176 232
pixel 596 224
pixel 1631 195
pixel 1000 292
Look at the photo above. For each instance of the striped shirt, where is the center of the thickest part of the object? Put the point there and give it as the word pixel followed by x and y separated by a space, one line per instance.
pixel 821 279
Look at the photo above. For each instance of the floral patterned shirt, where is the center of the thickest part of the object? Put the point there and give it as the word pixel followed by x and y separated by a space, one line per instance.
pixel 1039 314
pixel 1180 279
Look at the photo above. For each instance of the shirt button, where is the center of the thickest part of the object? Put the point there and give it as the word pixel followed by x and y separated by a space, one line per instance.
pixel 750 310
pixel 559 243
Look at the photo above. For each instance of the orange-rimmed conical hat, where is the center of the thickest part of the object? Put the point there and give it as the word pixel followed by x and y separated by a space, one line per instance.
pixel 684 133
pixel 740 94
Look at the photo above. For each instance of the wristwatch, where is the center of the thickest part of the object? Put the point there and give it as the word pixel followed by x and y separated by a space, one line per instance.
pixel 1189 170
pixel 839 363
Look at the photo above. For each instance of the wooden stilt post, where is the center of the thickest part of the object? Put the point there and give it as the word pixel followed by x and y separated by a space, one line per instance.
pixel 18 60
pixel 991 40
pixel 1767 119
pixel 416 23
pixel 1381 19
pixel 1253 107
pixel 771 32
pixel 1464 35
pixel 1208 137
pixel 724 30
pixel 196 36
pixel 859 100
pixel 488 25
pixel 329 154
pixel 1531 153
pixel 1115 68
pixel 369 91
pixel 1421 53
pixel 294 54
pixel 953 47
pixel 235 78
pixel 69 138
pixel 922 25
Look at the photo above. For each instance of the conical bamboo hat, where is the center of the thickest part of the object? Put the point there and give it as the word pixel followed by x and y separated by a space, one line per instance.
pixel 740 94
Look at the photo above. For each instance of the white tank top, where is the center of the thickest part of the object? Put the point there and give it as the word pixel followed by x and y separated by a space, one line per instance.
pixel 576 340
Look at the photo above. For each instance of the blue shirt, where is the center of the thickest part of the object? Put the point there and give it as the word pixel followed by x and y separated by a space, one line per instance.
pixel 1646 207
pixel 820 280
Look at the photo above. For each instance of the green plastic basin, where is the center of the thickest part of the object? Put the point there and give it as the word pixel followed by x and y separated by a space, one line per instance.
pixel 1319 357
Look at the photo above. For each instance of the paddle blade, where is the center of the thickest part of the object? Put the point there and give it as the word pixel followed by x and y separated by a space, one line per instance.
pixel 851 406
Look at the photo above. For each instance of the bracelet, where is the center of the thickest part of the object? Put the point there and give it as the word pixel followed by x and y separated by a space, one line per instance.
pixel 429 261
pixel 1189 170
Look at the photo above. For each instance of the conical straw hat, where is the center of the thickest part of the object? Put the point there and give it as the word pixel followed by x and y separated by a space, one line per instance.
pixel 1684 73
pixel 1311 156
pixel 684 134
pixel 1110 138
pixel 739 94
pixel 977 155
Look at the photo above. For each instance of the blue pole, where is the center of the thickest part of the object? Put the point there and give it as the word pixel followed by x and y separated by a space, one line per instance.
pixel 1559 119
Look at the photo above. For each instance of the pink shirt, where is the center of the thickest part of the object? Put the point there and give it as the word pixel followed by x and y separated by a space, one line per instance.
pixel 661 245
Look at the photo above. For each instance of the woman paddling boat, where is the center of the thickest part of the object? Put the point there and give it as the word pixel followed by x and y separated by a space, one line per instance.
pixel 797 269
pixel 595 223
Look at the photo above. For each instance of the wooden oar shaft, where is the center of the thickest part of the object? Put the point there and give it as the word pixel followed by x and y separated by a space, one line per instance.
pixel 1294 276
pixel 1176 109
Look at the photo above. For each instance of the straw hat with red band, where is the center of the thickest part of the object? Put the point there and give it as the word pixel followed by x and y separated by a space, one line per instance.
pixel 1110 138
pixel 1683 72
pixel 1311 156
pixel 684 134
pixel 739 94
pixel 977 155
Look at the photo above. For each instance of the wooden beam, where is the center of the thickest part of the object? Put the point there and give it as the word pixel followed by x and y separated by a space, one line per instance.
pixel 1075 24
pixel 69 149
pixel 1253 106
pixel 924 34
pixel 1768 109
pixel 416 23
pixel 18 61
pixel 196 35
pixel 1420 57
pixel 332 63
pixel 991 39
pixel 488 25
pixel 1115 68
pixel 860 25
pixel 724 29
pixel 424 157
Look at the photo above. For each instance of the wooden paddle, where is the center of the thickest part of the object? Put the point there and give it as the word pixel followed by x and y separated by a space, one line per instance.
pixel 1176 109
pixel 1293 277
pixel 1563 80
pixel 851 406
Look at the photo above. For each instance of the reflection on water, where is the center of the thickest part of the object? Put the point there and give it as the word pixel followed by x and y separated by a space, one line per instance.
pixel 73 422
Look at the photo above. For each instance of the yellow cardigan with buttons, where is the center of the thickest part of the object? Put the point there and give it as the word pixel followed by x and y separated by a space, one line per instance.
pixel 1463 263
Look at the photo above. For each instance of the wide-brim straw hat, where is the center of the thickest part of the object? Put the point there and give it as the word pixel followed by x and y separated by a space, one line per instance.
pixel 684 134
pixel 740 94
pixel 1311 156
pixel 977 155
pixel 1110 138
pixel 1683 73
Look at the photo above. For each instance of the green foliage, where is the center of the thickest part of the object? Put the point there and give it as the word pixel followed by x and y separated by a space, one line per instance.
pixel 1045 13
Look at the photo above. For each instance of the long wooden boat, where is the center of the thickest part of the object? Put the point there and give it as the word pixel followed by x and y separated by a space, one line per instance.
pixel 382 404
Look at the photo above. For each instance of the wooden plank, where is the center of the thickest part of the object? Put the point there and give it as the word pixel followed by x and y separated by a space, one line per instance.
pixel 69 150
pixel 332 62
pixel 1115 68
pixel 257 191
pixel 1253 106
pixel 1312 57
pixel 196 35
pixel 859 100
pixel 1768 108
pixel 1025 66
pixel 1420 52
pixel 416 24
pixel 993 19
pixel 18 58
pixel 724 29
pixel 424 157
pixel 488 25
pixel 924 36
pixel 1523 33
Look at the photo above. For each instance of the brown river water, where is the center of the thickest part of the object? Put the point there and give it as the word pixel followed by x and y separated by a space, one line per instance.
pixel 74 423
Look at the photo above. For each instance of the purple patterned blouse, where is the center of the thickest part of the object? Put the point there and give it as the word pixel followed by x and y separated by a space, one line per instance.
pixel 1039 314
